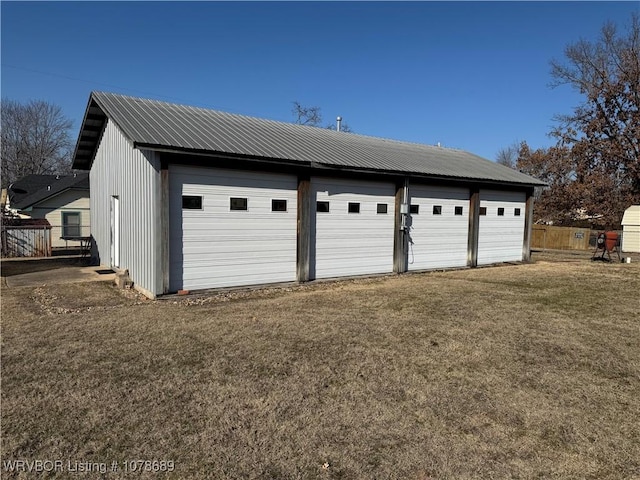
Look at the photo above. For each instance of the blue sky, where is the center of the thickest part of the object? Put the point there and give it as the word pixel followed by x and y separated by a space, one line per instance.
pixel 470 75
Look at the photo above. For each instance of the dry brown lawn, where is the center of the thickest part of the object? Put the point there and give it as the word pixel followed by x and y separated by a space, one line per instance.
pixel 525 371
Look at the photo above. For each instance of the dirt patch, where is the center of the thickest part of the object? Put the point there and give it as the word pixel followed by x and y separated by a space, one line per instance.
pixel 82 297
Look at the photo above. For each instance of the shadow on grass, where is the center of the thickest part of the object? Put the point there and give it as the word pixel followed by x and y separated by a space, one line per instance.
pixel 17 266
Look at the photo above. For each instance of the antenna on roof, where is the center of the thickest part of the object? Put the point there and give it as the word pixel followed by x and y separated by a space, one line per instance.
pixel 338 120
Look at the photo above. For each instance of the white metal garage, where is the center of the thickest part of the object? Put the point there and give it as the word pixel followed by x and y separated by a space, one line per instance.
pixel 353 227
pixel 231 228
pixel 197 210
pixel 439 227
pixel 501 229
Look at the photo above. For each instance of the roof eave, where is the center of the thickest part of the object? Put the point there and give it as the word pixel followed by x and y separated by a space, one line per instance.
pixel 91 130
pixel 329 167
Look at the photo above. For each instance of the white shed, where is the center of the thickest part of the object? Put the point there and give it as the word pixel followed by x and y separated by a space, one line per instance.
pixel 631 229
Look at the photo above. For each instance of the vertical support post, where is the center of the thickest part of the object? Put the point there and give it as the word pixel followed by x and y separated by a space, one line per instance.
pixel 528 227
pixel 474 227
pixel 303 229
pixel 400 238
pixel 164 225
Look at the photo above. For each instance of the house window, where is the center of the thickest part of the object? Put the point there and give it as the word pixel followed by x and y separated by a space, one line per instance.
pixel 322 207
pixel 382 208
pixel 516 212
pixel 354 207
pixel 501 212
pixel 437 209
pixel 278 205
pixel 191 202
pixel 483 210
pixel 238 203
pixel 458 211
pixel 414 209
pixel 70 224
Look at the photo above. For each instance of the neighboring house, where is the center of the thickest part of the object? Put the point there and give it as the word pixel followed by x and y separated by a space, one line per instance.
pixel 187 198
pixel 63 200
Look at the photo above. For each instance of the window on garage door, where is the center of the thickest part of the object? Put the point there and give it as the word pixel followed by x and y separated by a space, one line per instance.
pixel 278 205
pixel 322 207
pixel 237 203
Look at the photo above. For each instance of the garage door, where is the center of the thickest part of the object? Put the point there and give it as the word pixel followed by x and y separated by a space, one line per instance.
pixel 353 228
pixel 231 228
pixel 501 229
pixel 439 227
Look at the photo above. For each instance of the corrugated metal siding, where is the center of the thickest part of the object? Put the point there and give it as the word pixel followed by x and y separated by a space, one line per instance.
pixel 151 122
pixel 133 176
pixel 500 238
pixel 438 241
pixel 351 243
pixel 217 247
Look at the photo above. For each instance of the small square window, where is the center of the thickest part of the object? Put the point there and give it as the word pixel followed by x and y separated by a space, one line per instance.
pixel 192 202
pixel 458 210
pixel 500 212
pixel 414 209
pixel 516 212
pixel 437 209
pixel 354 207
pixel 382 208
pixel 278 205
pixel 322 207
pixel 483 210
pixel 238 203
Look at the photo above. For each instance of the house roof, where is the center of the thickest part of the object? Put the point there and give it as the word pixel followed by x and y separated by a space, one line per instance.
pixel 155 125
pixel 33 189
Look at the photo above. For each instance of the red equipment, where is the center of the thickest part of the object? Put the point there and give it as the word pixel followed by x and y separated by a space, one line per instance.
pixel 607 242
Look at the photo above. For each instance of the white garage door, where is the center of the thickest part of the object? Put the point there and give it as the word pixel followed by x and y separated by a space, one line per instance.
pixel 231 228
pixel 353 227
pixel 439 227
pixel 501 230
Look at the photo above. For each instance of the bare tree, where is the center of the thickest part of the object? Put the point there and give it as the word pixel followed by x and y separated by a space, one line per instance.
pixel 593 172
pixel 344 127
pixel 306 115
pixel 35 140
pixel 508 156
pixel 604 131
pixel 312 117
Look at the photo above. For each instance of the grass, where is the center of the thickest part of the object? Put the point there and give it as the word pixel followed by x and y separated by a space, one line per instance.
pixel 527 371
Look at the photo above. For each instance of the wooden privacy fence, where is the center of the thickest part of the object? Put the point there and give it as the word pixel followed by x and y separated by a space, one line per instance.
pixel 26 241
pixel 560 238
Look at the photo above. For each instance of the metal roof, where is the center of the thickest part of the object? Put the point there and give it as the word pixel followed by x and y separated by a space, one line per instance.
pixel 153 124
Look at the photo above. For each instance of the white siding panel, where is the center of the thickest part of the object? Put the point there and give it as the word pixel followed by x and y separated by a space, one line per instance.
pixel 438 241
pixel 218 247
pixel 500 238
pixel 351 243
pixel 69 201
pixel 134 176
